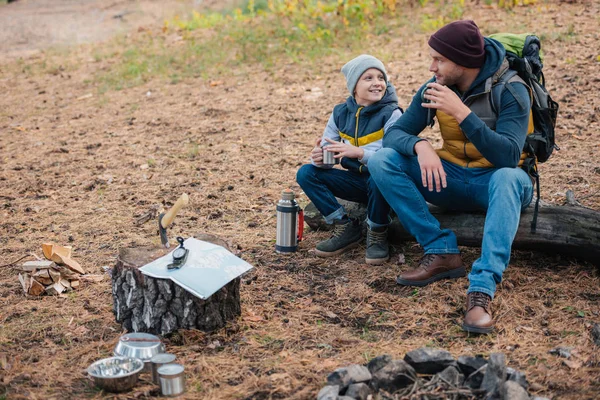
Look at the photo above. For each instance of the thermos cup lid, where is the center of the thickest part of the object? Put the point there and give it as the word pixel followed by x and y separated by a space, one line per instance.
pixel 287 194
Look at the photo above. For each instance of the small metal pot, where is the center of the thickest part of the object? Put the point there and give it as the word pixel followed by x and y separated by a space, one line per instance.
pixel 116 374
pixel 171 379
pixel 158 361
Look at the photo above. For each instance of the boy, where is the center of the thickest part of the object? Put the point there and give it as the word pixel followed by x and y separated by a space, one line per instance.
pixel 354 133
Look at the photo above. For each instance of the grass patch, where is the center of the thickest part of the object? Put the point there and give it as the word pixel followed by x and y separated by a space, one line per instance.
pixel 264 33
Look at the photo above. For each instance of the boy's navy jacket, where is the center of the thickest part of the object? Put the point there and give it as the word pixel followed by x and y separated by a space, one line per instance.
pixel 362 126
pixel 502 146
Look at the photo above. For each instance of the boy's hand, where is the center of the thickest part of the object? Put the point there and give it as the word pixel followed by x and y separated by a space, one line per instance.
pixel 344 150
pixel 317 153
pixel 444 99
pixel 432 170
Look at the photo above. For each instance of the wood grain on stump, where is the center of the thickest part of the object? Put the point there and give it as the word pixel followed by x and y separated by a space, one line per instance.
pixel 160 306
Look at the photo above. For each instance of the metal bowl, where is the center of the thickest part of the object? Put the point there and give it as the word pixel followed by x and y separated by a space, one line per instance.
pixel 116 374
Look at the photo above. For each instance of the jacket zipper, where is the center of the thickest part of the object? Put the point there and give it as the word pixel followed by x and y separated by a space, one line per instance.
pixel 356 128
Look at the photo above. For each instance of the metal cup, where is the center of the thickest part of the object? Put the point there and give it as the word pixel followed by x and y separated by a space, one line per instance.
pixel 171 379
pixel 159 360
pixel 328 158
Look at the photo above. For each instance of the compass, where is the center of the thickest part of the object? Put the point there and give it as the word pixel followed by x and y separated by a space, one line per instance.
pixel 180 255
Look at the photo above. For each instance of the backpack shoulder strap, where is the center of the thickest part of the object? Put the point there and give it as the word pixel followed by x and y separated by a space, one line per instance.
pixel 508 76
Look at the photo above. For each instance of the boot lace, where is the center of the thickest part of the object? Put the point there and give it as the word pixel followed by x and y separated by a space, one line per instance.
pixel 339 229
pixel 478 299
pixel 426 261
pixel 376 237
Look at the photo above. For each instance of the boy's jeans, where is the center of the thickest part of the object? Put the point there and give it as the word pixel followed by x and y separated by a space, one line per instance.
pixel 502 192
pixel 322 186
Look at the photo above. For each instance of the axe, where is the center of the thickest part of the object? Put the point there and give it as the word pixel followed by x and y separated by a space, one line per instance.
pixel 165 219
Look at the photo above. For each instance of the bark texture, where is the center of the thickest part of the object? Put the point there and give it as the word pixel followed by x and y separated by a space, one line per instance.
pixel 566 230
pixel 159 306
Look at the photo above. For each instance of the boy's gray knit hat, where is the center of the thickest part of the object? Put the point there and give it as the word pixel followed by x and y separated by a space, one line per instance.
pixel 357 66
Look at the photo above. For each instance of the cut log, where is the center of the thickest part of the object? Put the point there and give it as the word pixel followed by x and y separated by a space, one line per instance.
pixel 35 288
pixel 55 289
pixel 29 266
pixel 25 280
pixel 55 275
pixel 159 306
pixel 566 230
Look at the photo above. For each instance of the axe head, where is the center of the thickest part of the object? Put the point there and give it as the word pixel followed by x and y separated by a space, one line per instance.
pixel 164 239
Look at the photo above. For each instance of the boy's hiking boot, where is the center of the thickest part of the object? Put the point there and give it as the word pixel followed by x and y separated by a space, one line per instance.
pixel 433 267
pixel 347 234
pixel 478 318
pixel 378 250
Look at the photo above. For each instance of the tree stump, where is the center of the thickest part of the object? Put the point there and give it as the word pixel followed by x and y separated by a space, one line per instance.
pixel 159 306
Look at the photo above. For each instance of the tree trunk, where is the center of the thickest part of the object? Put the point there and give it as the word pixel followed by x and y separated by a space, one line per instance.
pixel 568 230
pixel 160 306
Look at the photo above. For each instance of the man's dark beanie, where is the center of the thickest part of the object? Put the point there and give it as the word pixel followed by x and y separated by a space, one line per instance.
pixel 460 42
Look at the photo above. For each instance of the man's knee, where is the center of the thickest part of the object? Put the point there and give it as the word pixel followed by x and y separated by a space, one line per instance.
pixel 378 160
pixel 506 179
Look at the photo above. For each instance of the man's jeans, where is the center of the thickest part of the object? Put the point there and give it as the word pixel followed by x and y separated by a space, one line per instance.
pixel 322 186
pixel 502 192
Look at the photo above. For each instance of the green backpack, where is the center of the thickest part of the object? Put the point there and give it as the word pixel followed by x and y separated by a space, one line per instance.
pixel 525 58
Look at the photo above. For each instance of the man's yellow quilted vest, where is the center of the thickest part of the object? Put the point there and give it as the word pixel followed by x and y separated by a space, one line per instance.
pixel 456 148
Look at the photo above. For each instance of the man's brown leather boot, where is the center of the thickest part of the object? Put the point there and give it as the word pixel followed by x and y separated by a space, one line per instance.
pixel 433 267
pixel 478 318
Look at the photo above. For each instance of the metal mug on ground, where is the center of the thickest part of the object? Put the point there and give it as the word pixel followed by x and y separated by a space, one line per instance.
pixel 158 361
pixel 328 158
pixel 171 379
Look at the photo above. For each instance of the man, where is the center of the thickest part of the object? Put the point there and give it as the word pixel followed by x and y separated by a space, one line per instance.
pixel 477 167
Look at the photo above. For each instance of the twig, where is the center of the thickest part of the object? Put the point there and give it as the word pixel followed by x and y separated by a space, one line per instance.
pixel 16 261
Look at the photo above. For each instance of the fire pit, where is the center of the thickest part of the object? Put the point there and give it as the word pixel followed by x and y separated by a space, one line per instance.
pixel 427 373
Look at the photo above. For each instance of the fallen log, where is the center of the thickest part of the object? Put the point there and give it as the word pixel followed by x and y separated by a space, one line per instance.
pixel 567 230
pixel 160 306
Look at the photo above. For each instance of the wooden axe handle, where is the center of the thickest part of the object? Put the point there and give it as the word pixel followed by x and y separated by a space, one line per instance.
pixel 170 215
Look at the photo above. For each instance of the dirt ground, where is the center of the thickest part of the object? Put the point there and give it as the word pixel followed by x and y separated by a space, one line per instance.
pixel 77 167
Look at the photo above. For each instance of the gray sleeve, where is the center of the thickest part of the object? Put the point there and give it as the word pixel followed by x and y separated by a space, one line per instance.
pixel 331 131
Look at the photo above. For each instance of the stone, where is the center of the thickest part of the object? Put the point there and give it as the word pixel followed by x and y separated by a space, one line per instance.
pixel 596 334
pixel 474 380
pixel 517 376
pixel 359 391
pixel 564 352
pixel 511 390
pixel 427 360
pixel 468 364
pixel 329 392
pixel 396 375
pixel 344 377
pixel 451 376
pixel 495 374
pixel 379 362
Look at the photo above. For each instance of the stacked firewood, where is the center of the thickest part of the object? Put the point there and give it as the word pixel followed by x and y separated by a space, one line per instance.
pixel 57 274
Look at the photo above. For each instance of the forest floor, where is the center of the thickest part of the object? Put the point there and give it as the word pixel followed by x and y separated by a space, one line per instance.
pixel 79 165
